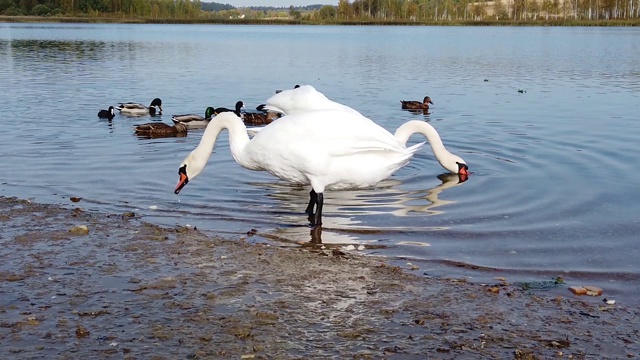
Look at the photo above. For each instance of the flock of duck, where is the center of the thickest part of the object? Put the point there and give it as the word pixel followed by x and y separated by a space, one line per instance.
pixel 309 140
pixel 182 123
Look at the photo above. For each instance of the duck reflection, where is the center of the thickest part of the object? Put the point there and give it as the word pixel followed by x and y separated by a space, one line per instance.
pixel 343 208
pixel 424 112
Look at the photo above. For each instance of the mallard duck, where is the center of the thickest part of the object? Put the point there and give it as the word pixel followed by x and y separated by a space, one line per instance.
pixel 192 121
pixel 136 109
pixel 326 149
pixel 239 105
pixel 158 129
pixel 261 118
pixel 411 104
pixel 107 114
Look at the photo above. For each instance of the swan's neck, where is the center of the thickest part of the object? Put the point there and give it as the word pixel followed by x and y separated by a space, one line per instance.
pixel 409 128
pixel 238 138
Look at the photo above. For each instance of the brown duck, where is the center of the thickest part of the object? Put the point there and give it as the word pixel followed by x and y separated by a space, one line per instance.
pixel 261 118
pixel 416 105
pixel 158 129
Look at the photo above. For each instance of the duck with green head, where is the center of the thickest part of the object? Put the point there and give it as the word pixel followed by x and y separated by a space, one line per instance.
pixel 193 121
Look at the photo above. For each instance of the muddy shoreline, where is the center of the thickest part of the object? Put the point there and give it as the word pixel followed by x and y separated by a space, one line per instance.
pixel 133 290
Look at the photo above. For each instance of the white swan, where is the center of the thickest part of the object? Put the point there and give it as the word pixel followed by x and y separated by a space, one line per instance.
pixel 302 98
pixel 334 149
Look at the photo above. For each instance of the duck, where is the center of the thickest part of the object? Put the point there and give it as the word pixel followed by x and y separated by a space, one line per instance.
pixel 193 121
pixel 107 114
pixel 307 149
pixel 412 104
pixel 136 109
pixel 239 106
pixel 159 129
pixel 258 118
pixel 302 99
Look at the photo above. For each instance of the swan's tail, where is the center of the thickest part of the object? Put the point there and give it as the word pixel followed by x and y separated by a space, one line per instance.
pixel 273 108
pixel 415 148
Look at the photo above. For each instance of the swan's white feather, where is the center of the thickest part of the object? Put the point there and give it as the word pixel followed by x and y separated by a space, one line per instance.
pixel 324 148
pixel 301 99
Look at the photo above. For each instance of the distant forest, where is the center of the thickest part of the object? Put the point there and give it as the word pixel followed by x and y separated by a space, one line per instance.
pixel 346 12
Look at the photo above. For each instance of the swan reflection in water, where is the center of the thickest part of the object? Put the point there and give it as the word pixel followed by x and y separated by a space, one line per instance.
pixel 340 225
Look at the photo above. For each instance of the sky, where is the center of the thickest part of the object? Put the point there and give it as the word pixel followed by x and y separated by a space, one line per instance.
pixel 277 3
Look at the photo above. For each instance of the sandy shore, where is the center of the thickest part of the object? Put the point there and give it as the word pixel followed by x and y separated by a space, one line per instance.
pixel 132 290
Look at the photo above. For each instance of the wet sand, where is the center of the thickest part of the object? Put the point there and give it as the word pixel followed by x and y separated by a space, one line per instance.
pixel 131 290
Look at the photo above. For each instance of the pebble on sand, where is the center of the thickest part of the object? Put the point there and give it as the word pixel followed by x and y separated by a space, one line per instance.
pixel 586 290
pixel 79 230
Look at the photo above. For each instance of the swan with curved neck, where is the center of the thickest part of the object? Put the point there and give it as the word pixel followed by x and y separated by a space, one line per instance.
pixel 306 149
pixel 447 160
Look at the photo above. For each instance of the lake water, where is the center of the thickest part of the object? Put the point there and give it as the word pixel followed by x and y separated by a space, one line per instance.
pixel 554 188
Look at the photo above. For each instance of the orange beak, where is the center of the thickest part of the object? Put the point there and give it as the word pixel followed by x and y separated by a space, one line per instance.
pixel 463 169
pixel 184 179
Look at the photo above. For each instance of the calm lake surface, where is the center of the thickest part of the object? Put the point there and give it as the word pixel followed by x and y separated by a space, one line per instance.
pixel 555 183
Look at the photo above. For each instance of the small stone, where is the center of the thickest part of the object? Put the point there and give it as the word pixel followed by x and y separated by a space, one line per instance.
pixel 578 290
pixel 75 199
pixel 79 230
pixel 593 290
pixel 81 331
pixel 609 301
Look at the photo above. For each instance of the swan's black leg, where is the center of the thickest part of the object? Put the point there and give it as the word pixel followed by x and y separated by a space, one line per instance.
pixel 317 221
pixel 313 198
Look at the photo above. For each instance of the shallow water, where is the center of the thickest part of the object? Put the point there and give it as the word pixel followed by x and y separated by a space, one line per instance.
pixel 553 189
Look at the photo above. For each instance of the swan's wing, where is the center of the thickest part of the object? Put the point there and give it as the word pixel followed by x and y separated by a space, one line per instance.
pixel 273 108
pixel 252 131
pixel 331 132
pixel 304 98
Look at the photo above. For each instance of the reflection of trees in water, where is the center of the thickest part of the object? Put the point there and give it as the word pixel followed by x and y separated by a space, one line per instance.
pixel 58 50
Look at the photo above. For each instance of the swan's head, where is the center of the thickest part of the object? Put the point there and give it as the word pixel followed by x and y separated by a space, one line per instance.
pixel 455 164
pixel 189 169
